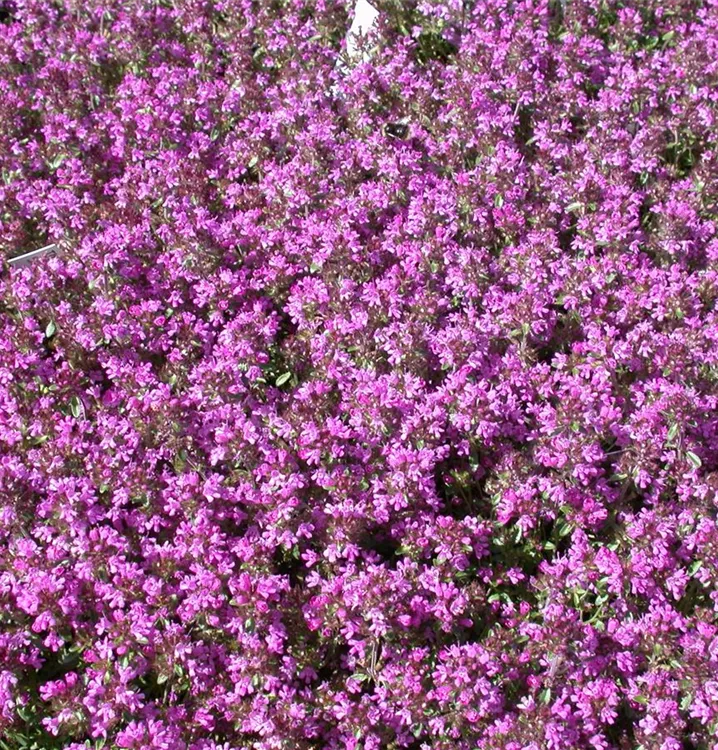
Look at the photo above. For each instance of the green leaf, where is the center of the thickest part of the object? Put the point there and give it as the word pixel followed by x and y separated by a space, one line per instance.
pixel 695 461
pixel 162 678
pixel 55 163
pixel 574 206
pixel 77 408
pixel 672 432
pixel 50 330
pixel 695 567
pixel 283 378
pixel 499 201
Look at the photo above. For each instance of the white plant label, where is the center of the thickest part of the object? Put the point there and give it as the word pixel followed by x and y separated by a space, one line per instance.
pixel 23 260
pixel 365 15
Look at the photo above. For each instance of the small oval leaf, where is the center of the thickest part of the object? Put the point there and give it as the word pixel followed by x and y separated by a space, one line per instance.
pixel 77 408
pixel 695 461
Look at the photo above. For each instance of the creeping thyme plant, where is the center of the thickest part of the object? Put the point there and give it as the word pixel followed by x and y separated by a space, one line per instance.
pixel 369 405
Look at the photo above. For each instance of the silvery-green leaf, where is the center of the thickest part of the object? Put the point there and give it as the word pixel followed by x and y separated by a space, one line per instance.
pixel 695 461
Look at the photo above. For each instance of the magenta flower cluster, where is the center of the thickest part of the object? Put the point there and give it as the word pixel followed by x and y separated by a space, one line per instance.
pixel 367 405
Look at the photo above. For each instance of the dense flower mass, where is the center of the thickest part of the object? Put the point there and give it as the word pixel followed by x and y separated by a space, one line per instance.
pixel 369 405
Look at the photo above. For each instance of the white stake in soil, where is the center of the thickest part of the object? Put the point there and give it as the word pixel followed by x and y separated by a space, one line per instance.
pixel 23 260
